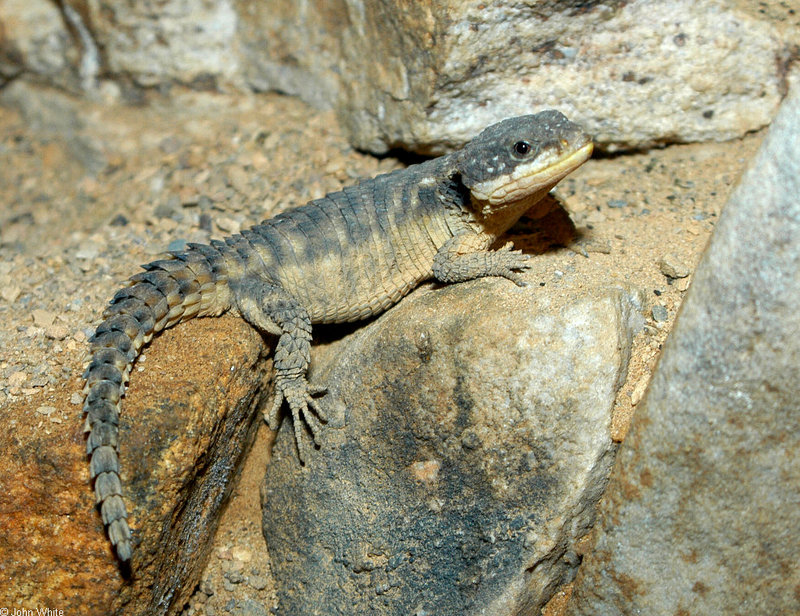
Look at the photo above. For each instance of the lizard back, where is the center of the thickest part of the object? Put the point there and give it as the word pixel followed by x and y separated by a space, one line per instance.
pixel 355 252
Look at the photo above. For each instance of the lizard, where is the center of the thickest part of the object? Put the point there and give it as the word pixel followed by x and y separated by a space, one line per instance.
pixel 341 258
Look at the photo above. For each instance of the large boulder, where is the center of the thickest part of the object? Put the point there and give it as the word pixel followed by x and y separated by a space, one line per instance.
pixel 430 75
pixel 468 442
pixel 702 514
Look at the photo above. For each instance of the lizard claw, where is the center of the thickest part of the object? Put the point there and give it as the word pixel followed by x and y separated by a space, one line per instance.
pixel 298 395
pixel 508 260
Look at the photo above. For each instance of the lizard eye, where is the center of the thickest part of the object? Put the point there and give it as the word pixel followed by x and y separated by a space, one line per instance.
pixel 522 148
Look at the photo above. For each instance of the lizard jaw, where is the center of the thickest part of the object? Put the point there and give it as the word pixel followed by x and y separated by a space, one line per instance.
pixel 528 180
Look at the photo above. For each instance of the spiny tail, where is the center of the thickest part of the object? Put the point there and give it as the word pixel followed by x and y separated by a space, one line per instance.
pixel 189 284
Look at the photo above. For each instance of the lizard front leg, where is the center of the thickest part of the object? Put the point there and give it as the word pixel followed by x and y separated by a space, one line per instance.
pixel 466 257
pixel 272 309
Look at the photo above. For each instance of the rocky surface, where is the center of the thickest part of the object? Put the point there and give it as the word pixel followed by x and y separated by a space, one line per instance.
pixel 702 514
pixel 35 39
pixel 633 73
pixel 430 76
pixel 183 434
pixel 197 165
pixel 469 440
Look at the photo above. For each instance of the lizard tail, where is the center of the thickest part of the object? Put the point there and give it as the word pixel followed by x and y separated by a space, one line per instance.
pixel 189 284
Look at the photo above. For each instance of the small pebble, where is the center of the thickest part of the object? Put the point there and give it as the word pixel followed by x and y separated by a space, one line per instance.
pixel 241 554
pixel 234 576
pixel 672 267
pixel 638 390
pixel 596 217
pixel 660 313
pixel 249 607
pixel 56 331
pixel 88 252
pixel 43 318
pixel 257 582
pixel 207 587
pixel 17 379
pixel 229 225
pixel 9 294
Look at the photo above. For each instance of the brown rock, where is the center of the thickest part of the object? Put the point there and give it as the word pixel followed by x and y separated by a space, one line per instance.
pixel 187 420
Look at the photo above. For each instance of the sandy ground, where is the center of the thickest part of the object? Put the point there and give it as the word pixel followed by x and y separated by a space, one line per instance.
pixel 86 196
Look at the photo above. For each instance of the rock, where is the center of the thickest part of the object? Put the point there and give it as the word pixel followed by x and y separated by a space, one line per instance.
pixel 35 39
pixel 187 421
pixel 701 516
pixel 10 293
pixel 429 77
pixel 184 42
pixel 17 378
pixel 42 318
pixel 659 313
pixel 672 267
pixel 56 331
pixel 52 112
pixel 683 284
pixel 467 443
pixel 633 73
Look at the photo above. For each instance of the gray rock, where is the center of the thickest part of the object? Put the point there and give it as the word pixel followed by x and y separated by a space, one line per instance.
pixel 659 313
pixel 35 39
pixel 55 113
pixel 431 76
pixel 188 42
pixel 702 514
pixel 468 441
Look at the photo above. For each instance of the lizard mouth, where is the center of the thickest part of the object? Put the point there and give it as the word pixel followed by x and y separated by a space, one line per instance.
pixel 531 179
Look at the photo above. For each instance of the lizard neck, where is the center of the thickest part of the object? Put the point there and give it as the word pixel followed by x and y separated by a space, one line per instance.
pixel 465 213
pixel 495 221
pixel 456 200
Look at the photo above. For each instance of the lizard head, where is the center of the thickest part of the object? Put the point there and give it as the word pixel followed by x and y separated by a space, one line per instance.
pixel 511 165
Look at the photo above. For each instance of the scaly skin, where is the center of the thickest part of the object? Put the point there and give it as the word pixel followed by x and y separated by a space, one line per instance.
pixel 344 257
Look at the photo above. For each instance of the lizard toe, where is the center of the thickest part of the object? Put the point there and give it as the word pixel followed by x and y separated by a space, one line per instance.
pixel 272 418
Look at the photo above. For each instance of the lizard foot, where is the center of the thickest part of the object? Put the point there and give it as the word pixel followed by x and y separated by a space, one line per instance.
pixel 305 409
pixel 506 260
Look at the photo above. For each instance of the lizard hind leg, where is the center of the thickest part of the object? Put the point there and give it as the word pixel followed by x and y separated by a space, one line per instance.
pixel 272 309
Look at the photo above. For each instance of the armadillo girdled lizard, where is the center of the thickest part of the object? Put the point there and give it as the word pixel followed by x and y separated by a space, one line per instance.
pixel 344 257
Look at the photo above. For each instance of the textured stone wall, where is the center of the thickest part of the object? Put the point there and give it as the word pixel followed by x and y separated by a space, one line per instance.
pixel 428 75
